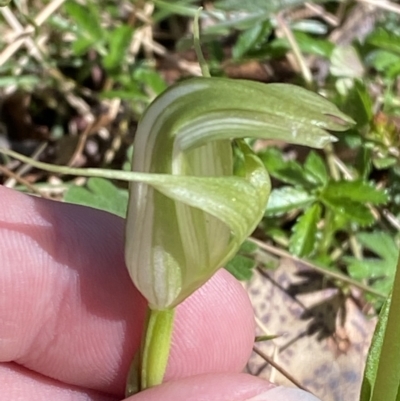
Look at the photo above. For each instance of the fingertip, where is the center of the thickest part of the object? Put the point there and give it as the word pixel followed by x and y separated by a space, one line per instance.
pixel 18 383
pixel 214 329
pixel 284 394
pixel 215 387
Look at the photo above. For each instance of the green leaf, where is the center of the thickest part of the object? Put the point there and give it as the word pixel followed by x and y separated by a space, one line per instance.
pixel 287 171
pixel 384 61
pixel 316 168
pixel 100 194
pixel 385 40
pixel 271 6
pixel 81 45
pixel 150 78
pixel 86 18
pixel 303 240
pixel 241 267
pixel 118 43
pixel 364 162
pixel 311 45
pixel 381 244
pixel 249 38
pixel 374 354
pixel 353 212
pixel 384 163
pixel 379 271
pixel 359 104
pixel 285 199
pixel 174 7
pixel 19 80
pixel 238 21
pixel 248 248
pixel 345 62
pixel 382 374
pixel 356 191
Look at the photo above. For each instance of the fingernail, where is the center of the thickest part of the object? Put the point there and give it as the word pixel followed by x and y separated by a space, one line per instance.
pixel 284 394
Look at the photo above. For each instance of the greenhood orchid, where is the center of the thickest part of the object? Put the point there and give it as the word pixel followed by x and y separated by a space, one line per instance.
pixel 182 228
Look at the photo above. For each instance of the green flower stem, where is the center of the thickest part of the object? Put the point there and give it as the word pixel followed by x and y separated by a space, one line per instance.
pixel 149 365
pixel 388 373
pixel 156 346
pixel 197 46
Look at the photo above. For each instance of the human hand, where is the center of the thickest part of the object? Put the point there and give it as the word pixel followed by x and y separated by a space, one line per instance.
pixel 71 319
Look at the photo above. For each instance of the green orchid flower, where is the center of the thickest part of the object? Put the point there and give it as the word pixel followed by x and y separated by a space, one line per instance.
pixel 184 227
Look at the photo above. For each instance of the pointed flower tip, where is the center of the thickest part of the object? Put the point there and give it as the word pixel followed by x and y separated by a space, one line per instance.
pixel 341 121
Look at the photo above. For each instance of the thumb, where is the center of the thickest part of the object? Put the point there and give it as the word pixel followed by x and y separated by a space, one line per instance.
pixel 222 387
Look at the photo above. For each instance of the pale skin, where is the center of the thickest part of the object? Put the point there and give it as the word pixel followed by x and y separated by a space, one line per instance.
pixel 71 319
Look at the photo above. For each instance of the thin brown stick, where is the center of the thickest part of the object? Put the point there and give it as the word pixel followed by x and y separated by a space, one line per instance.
pixel 281 370
pixel 39 20
pixel 298 61
pixel 385 5
pixel 24 168
pixel 334 275
pixel 7 172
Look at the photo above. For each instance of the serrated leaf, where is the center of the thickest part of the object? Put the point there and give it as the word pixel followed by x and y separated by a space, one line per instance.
pixel 284 199
pixel 316 167
pixel 248 248
pixel 364 162
pixel 357 191
pixel 241 267
pixel 287 171
pixel 302 242
pixel 369 268
pixel 354 212
pixel 381 244
pixel 100 194
pixel 118 43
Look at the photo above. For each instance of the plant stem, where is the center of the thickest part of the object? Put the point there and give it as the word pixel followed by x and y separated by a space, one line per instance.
pixel 197 47
pixel 388 373
pixel 149 365
pixel 157 343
